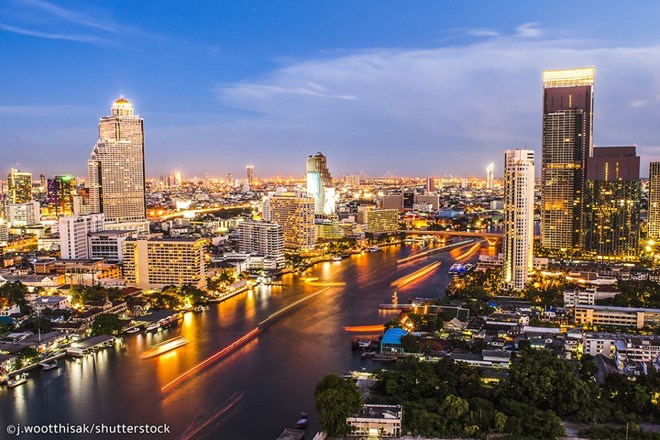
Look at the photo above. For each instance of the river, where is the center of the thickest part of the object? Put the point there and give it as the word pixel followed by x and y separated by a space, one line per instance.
pixel 271 379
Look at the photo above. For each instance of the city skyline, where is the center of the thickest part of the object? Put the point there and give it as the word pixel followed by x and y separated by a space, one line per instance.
pixel 235 102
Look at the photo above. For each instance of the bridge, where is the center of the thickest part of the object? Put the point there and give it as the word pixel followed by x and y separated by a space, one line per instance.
pixel 491 237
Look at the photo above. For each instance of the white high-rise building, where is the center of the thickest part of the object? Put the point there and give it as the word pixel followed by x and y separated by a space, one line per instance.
pixel 74 232
pixel 262 238
pixel 319 185
pixel 518 240
pixel 23 214
pixel 116 166
pixel 490 171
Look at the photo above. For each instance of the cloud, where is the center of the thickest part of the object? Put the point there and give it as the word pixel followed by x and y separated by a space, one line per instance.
pixel 480 32
pixel 639 103
pixel 529 30
pixel 53 36
pixel 42 19
pixel 424 111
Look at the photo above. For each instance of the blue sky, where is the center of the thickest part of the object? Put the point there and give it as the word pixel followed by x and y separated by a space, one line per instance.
pixel 407 87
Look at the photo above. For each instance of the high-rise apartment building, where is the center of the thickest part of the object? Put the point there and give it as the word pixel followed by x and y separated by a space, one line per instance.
pixel 518 240
pixel 612 199
pixel 19 186
pixel 319 185
pixel 295 215
pixel 74 231
pixel 262 238
pixel 249 170
pixel 153 263
pixel 61 191
pixel 654 201
pixel 23 214
pixel 567 144
pixel 116 167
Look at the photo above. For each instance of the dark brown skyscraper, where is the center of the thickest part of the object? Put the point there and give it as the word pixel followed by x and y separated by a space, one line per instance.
pixel 567 143
pixel 611 208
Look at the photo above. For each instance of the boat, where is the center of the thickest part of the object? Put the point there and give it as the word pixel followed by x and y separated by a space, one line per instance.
pixel 457 269
pixel 375 248
pixel 164 347
pixel 153 326
pixel 302 421
pixel 46 366
pixel 198 309
pixel 18 380
pixel 132 330
pixel 337 258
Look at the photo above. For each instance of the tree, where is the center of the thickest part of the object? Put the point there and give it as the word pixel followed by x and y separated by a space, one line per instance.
pixel 14 293
pixel 336 399
pixel 454 407
pixel 548 383
pixel 107 324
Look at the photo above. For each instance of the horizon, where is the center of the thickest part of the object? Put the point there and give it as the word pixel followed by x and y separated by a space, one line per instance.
pixel 436 90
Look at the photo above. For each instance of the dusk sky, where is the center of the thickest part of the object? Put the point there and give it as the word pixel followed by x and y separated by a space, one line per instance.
pixel 407 87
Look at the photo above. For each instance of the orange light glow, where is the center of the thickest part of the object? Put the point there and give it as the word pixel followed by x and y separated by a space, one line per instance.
pixel 377 328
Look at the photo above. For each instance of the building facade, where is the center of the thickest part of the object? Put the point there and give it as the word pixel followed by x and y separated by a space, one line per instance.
pixel 654 201
pixel 612 203
pixel 116 166
pixel 518 239
pixel 262 238
pixel 19 186
pixel 153 263
pixel 382 221
pixel 23 214
pixel 61 191
pixel 567 143
pixel 73 235
pixel 295 214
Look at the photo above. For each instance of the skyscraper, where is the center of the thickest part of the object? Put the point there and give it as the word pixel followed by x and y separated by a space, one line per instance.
pixel 116 166
pixel 654 201
pixel 567 144
pixel 61 191
pixel 612 200
pixel 518 240
pixel 19 184
pixel 249 169
pixel 490 171
pixel 319 184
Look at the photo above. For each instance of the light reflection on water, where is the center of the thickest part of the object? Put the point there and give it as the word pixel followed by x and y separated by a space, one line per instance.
pixel 277 371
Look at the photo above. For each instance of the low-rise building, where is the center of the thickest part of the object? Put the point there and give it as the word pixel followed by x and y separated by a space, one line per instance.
pixel 573 297
pixel 616 316
pixel 636 350
pixel 378 421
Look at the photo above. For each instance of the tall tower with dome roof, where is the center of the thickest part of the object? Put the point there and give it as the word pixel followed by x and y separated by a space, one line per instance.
pixel 116 166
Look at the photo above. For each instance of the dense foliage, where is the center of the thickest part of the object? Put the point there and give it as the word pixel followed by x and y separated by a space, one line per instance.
pixel 636 294
pixel 107 324
pixel 336 399
pixel 445 398
pixel 13 293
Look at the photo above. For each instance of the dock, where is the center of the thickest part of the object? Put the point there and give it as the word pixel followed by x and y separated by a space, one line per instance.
pixel 87 345
pixel 291 434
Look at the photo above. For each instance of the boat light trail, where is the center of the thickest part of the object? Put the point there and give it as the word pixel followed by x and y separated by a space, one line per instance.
pixel 233 400
pixel 400 282
pixel 469 252
pixel 425 253
pixel 377 328
pixel 313 281
pixel 237 343
pixel 229 348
